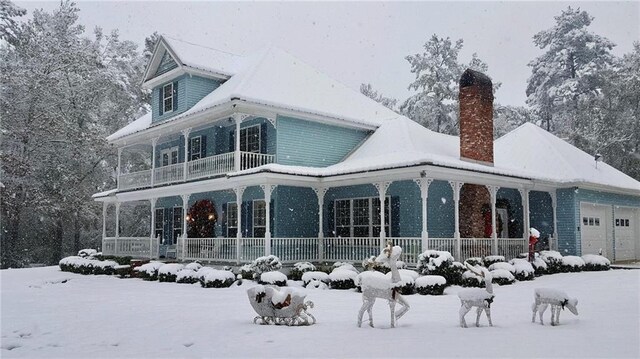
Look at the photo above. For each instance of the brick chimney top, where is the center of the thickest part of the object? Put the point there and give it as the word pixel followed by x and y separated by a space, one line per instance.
pixel 476 117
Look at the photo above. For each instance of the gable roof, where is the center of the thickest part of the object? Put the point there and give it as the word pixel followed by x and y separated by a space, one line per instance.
pixel 532 149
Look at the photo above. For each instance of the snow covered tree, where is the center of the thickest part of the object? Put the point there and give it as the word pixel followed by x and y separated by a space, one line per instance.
pixel 8 25
pixel 437 73
pixel 508 118
pixel 367 90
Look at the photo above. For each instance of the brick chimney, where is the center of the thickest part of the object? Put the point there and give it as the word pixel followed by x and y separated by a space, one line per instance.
pixel 476 117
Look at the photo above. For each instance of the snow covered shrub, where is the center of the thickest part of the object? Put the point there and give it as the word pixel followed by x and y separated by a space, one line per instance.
pixel 148 271
pixel 84 253
pixel 168 272
pixel 470 279
pixel 430 285
pixel 440 263
pixel 194 266
pixel 215 278
pixel 540 266
pixel 371 263
pixel 553 260
pixel 316 284
pixel 246 271
pixel 502 277
pixel 104 267
pixel 572 264
pixel 406 285
pixel 67 264
pixel 344 265
pixel 201 273
pixel 299 269
pixel 119 260
pixel 187 276
pixel 502 265
pixel 523 270
pixel 342 278
pixel 273 278
pixel 264 264
pixel 594 262
pixel 87 265
pixel 489 260
pixel 315 276
pixel 475 261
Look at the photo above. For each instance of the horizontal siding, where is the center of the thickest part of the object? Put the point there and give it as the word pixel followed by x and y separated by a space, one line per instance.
pixel 222 136
pixel 296 212
pixel 306 143
pixel 512 199
pixel 541 213
pixel 166 64
pixel 182 100
pixel 197 88
pixel 567 221
pixel 440 210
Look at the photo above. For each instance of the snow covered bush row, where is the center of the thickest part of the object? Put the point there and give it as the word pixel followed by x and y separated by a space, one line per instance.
pixel 263 264
pixel 343 277
pixel 215 278
pixel 87 265
pixel 594 262
pixel 299 269
pixel 315 279
pixel 148 271
pixel 169 272
pixel 572 264
pixel 440 263
pixel 273 278
pixel 522 269
pixel 430 285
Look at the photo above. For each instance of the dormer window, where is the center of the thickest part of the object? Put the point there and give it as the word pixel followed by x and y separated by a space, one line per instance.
pixel 167 97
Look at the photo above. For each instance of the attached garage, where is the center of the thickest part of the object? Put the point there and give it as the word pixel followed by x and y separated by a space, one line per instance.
pixel 626 233
pixel 594 226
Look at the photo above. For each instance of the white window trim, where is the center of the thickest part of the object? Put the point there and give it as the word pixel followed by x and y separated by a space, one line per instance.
pixel 227 217
pixel 253 216
pixel 259 137
pixel 168 151
pixel 165 97
pixel 191 146
pixel 387 202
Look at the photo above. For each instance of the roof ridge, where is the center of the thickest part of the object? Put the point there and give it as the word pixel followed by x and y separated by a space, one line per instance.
pixel 200 45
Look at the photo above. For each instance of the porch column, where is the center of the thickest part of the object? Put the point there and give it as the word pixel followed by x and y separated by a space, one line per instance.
pixel 236 155
pixel 104 220
pixel 456 186
pixel 118 168
pixel 524 194
pixel 424 184
pixel 382 195
pixel 154 143
pixel 553 245
pixel 185 205
pixel 152 203
pixel 185 134
pixel 267 189
pixel 115 250
pixel 493 191
pixel 320 192
pixel 239 191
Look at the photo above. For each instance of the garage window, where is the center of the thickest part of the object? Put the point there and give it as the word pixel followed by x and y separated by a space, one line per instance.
pixel 622 222
pixel 591 221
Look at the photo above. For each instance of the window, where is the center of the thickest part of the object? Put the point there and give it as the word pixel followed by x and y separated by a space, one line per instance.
pixel 232 219
pixel 360 217
pixel 177 223
pixel 167 98
pixel 169 156
pixel 159 225
pixel 259 218
pixel 617 222
pixel 250 139
pixel 196 148
pixel 622 222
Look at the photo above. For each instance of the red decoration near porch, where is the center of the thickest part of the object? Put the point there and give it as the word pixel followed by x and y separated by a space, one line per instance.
pixel 201 219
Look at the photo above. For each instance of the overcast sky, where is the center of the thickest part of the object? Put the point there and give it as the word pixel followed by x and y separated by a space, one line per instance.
pixel 356 42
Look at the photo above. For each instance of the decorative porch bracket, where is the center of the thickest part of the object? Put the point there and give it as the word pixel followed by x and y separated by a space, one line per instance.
pixel 424 184
pixel 185 206
pixel 382 188
pixel 272 121
pixel 267 189
pixel 493 191
pixel 456 187
pixel 320 192
pixel 185 134
pixel 239 191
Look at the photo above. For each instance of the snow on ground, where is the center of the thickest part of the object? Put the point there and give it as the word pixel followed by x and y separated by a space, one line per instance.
pixel 54 314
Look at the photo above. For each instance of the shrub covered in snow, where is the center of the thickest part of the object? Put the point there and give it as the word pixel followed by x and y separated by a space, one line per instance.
pixel 572 264
pixel 539 266
pixel 87 265
pixel 523 270
pixel 313 277
pixel 383 267
pixel 475 261
pixel 553 260
pixel 148 271
pixel 594 262
pixel 246 271
pixel 201 273
pixel 502 277
pixel 406 285
pixel 187 276
pixel 195 266
pixel 169 271
pixel 263 264
pixel 440 263
pixel 342 278
pixel 489 260
pixel 216 278
pixel 84 253
pixel 430 285
pixel 274 278
pixel 299 269
pixel 470 279
pixel 344 265
pixel 502 265
pixel 105 267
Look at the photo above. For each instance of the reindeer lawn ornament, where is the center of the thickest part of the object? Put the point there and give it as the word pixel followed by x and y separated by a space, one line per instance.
pixel 557 299
pixel 477 297
pixel 381 286
pixel 279 307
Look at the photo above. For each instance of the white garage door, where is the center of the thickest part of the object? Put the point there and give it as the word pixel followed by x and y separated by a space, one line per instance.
pixel 594 229
pixel 626 233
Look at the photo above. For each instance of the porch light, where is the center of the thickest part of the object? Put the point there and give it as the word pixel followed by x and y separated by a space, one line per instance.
pixel 188 218
pixel 211 216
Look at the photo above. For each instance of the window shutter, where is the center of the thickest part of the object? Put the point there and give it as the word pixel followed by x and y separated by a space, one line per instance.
pixel 203 146
pixel 232 144
pixel 331 220
pixel 394 217
pixel 263 138
pixel 160 102
pixel 168 227
pixel 223 220
pixel 175 96
pixel 188 154
pixel 247 220
pixel 272 217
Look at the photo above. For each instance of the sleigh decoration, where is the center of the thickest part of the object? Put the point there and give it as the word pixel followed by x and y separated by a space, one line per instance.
pixel 280 306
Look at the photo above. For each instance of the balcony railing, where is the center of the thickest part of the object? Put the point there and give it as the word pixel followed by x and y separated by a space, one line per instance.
pixel 205 167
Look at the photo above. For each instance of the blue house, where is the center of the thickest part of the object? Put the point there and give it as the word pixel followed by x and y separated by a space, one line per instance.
pixel 263 154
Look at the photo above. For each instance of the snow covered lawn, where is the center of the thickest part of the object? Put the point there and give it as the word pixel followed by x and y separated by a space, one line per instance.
pixel 54 314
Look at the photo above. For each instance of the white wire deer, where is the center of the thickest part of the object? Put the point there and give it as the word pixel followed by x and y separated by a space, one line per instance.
pixel 543 297
pixel 383 287
pixel 477 297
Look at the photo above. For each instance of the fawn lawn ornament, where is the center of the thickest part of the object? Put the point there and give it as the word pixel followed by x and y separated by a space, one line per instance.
pixel 477 297
pixel 543 297
pixel 380 286
pixel 280 306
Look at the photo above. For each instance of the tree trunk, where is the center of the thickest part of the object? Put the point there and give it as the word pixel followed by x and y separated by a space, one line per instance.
pixel 76 233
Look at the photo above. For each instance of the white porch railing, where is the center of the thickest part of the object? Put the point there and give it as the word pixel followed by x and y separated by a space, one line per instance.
pixel 207 249
pixel 291 250
pixel 443 244
pixel 350 249
pixel 411 249
pixel 211 166
pixel 135 180
pixel 251 160
pixel 512 247
pixel 168 174
pixel 251 248
pixel 475 247
pixel 145 247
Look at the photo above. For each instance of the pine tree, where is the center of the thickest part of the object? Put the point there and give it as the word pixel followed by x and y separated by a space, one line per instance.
pixel 367 90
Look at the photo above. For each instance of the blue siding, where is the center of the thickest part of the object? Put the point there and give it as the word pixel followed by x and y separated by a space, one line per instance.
pixel 512 199
pixel 222 136
pixel 305 143
pixel 182 100
pixel 179 142
pixel 296 212
pixel 541 214
pixel 568 225
pixel 440 210
pixel 166 64
pixel 197 88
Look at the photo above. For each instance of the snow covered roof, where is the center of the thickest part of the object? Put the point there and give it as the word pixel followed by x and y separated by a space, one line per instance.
pixel 138 125
pixel 532 149
pixel 204 58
